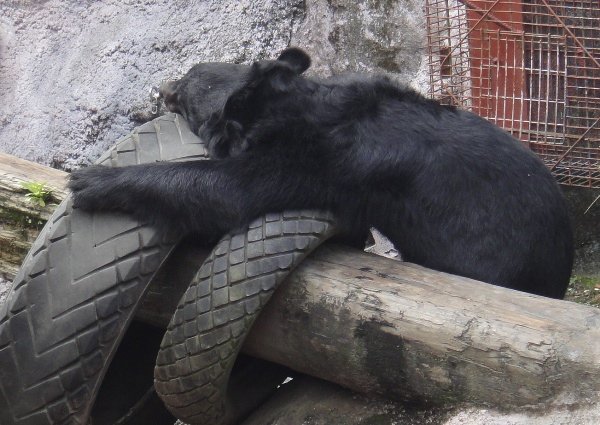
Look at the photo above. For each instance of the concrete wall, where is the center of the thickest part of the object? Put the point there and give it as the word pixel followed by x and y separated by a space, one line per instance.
pixel 75 75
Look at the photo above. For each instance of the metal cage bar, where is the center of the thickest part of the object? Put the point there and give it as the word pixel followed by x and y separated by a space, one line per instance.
pixel 529 66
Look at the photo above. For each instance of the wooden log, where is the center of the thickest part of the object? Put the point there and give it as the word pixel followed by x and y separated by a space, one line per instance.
pixel 20 218
pixel 380 326
pixel 325 403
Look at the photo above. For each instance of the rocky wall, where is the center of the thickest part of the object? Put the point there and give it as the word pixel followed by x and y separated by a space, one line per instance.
pixel 75 75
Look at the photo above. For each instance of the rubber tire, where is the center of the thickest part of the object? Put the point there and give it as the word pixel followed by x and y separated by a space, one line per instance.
pixel 77 290
pixel 84 276
pixel 218 309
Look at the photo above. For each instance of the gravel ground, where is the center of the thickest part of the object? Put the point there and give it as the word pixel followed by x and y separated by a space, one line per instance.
pixel 584 290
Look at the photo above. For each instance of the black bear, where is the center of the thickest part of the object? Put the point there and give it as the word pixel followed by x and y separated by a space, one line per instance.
pixel 452 191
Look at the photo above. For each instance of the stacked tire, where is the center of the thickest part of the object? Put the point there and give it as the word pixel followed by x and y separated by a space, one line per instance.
pixel 78 289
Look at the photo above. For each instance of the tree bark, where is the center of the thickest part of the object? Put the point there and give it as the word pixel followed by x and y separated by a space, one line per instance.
pixel 326 403
pixel 377 325
pixel 20 218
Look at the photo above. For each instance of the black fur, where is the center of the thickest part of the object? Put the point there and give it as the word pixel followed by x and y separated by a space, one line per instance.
pixel 203 90
pixel 452 191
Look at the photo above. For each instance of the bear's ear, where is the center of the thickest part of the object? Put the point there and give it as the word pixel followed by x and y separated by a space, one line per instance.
pixel 238 106
pixel 265 79
pixel 297 59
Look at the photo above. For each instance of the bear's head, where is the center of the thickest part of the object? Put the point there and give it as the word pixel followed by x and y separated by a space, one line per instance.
pixel 256 100
pixel 203 90
pixel 266 80
pixel 219 95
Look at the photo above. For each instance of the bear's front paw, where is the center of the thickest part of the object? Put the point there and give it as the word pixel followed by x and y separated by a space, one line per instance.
pixel 94 187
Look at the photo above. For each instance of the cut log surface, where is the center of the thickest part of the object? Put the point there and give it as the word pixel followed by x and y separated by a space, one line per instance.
pixel 377 325
pixel 20 218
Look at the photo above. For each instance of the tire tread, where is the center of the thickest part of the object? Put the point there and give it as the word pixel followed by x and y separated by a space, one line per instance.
pixel 76 292
pixel 216 313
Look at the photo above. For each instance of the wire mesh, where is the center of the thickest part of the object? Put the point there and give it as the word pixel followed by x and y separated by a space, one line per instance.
pixel 531 67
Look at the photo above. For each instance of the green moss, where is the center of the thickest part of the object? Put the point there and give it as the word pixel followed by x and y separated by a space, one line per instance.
pixel 585 281
pixel 584 290
pixel 20 219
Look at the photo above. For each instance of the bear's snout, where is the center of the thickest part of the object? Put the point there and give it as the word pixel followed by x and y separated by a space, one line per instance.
pixel 168 92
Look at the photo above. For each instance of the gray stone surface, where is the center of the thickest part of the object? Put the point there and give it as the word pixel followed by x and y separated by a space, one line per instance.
pixel 75 75
pixel 366 36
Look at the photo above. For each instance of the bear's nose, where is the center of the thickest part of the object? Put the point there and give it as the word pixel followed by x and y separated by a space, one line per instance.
pixel 168 92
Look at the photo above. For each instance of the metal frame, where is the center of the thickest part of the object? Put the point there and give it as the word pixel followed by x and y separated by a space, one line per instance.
pixel 531 67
